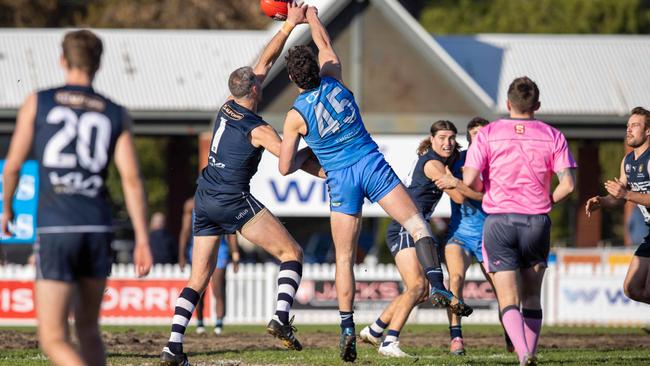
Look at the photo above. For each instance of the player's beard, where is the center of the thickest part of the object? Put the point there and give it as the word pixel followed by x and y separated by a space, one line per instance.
pixel 634 143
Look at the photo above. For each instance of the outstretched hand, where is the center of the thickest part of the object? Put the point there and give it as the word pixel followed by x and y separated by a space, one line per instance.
pixel 593 204
pixel 296 14
pixel 616 188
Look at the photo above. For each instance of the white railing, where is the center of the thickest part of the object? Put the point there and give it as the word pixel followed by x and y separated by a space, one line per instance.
pixel 578 293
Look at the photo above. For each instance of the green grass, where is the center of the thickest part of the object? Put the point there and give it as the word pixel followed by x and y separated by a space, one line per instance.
pixel 611 346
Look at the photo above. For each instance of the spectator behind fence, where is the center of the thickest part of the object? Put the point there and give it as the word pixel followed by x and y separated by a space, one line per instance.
pixel 163 244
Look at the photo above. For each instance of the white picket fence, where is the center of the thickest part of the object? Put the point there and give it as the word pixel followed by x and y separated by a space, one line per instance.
pixel 576 294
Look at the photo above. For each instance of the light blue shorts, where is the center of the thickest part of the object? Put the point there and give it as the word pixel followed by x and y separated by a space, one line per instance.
pixel 371 177
pixel 223 256
pixel 471 244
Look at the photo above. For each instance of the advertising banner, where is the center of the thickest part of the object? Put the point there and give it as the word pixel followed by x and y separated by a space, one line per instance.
pixel 25 204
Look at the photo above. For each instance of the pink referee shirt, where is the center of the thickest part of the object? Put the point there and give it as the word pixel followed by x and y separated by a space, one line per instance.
pixel 517 159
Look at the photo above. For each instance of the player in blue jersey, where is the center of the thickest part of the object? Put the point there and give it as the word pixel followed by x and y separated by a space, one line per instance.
pixel 73 132
pixel 223 203
pixel 227 246
pixel 434 154
pixel 633 185
pixel 327 117
pixel 465 237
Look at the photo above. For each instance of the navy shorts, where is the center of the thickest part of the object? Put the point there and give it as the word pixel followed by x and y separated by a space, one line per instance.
pixel 218 213
pixel 370 177
pixel 513 241
pixel 70 256
pixel 397 238
pixel 644 249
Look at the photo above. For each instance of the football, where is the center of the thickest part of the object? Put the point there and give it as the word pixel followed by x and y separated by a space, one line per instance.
pixel 275 9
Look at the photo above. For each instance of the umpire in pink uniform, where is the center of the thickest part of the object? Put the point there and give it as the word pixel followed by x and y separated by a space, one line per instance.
pixel 516 158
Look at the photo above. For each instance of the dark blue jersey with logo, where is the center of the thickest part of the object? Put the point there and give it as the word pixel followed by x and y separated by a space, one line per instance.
pixel 233 160
pixel 638 180
pixel 75 133
pixel 422 190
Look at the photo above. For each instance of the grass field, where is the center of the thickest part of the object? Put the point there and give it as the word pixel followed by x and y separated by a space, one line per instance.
pixel 249 345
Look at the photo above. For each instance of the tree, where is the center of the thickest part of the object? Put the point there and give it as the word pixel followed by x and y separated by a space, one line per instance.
pixel 536 16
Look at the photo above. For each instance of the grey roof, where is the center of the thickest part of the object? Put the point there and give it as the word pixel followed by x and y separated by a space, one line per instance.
pixel 146 70
pixel 585 75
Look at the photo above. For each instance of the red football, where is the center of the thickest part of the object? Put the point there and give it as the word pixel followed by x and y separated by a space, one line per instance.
pixel 276 9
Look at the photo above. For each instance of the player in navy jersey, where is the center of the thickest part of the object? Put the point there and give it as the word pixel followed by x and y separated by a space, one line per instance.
pixel 223 203
pixel 434 154
pixel 633 185
pixel 73 132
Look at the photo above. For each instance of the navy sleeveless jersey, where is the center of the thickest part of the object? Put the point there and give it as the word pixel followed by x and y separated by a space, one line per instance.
pixel 75 133
pixel 233 160
pixel 335 131
pixel 422 190
pixel 638 180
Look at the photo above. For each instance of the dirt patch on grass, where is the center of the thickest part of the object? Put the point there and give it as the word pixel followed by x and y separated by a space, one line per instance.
pixel 149 344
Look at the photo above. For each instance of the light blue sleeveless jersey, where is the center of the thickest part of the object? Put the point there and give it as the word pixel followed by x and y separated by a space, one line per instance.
pixel 335 131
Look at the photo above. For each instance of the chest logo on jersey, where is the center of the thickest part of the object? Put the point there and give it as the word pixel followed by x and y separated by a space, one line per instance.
pixel 231 113
pixel 627 168
pixel 520 129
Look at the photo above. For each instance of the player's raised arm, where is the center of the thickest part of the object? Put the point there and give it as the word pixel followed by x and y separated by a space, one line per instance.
pixel 295 16
pixel 127 164
pixel 21 143
pixel 327 58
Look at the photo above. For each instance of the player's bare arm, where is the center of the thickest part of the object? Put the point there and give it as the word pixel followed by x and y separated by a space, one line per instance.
pixel 295 16
pixel 566 185
pixel 618 189
pixel 448 181
pixel 327 58
pixel 267 137
pixel 434 170
pixel 231 240
pixel 21 143
pixel 127 165
pixel 290 158
pixel 471 179
pixel 609 201
pixel 184 235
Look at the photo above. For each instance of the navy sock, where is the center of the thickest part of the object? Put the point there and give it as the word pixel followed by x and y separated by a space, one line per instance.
pixel 377 328
pixel 288 282
pixel 185 305
pixel 434 275
pixel 391 336
pixel 347 319
pixel 219 323
pixel 455 331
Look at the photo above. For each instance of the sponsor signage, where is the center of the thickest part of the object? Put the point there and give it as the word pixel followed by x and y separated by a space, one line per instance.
pixel 25 204
pixel 597 299
pixel 317 295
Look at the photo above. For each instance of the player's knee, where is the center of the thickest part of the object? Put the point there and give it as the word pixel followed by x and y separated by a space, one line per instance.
pixel 636 294
pixel 417 227
pixel 417 289
pixel 456 279
pixel 292 252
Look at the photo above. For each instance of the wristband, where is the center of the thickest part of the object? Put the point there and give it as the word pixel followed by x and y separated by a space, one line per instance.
pixel 287 27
